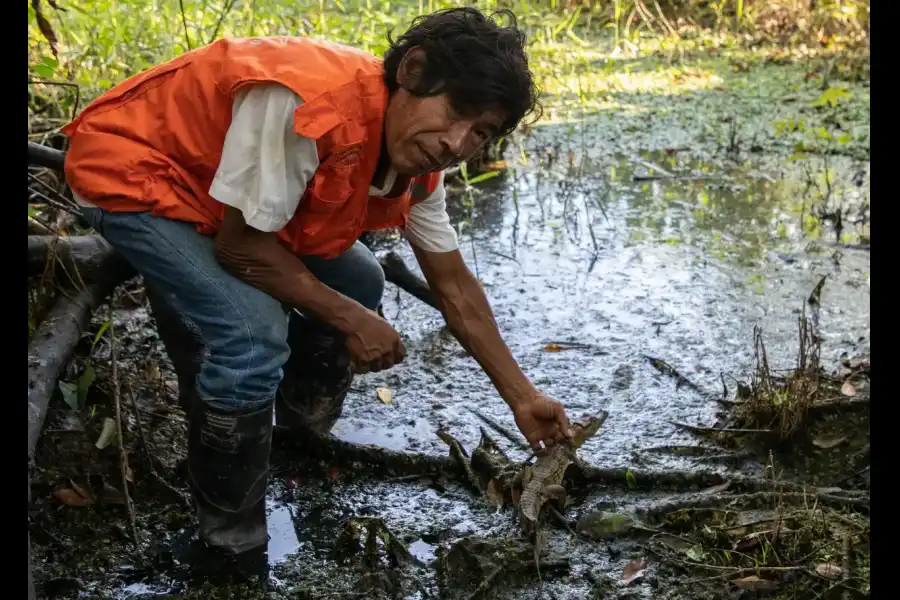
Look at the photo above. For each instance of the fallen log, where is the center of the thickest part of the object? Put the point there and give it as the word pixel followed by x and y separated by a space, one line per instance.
pixel 55 338
pixel 375 460
pixel 369 459
pixel 80 258
pixel 396 271
pixel 52 347
pixel 44 156
pixel 749 500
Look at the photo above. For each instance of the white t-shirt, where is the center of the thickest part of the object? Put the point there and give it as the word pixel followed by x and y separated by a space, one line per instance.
pixel 265 168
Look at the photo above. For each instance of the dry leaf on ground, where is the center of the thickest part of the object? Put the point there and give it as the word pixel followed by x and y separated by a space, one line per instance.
pixel 716 488
pixel 847 389
pixel 106 434
pixel 753 582
pixel 829 571
pixel 74 496
pixel 633 570
pixel 385 395
pixel 674 543
pixel 826 442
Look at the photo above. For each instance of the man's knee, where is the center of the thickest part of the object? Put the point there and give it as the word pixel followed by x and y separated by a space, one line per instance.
pixel 355 274
pixel 245 356
pixel 368 278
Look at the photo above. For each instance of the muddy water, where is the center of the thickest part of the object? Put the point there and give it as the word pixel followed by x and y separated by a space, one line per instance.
pixel 570 248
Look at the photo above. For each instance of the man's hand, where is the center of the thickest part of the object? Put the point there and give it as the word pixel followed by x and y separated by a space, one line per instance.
pixel 373 344
pixel 541 419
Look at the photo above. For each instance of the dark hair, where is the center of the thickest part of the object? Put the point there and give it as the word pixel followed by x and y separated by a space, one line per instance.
pixel 479 64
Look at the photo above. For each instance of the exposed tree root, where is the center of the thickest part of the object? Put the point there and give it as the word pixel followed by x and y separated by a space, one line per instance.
pixel 369 459
pixel 382 462
pixel 459 454
pixel 691 480
pixel 701 453
pixel 716 430
pixel 751 500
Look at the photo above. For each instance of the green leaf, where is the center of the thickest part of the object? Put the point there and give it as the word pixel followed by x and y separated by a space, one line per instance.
pixel 831 96
pixel 483 177
pixel 84 383
pixel 69 393
pixel 46 67
pixel 100 332
pixel 43 71
pixel 695 553
pixel 631 480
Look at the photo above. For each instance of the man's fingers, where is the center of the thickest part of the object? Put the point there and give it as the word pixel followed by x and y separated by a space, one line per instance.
pixel 557 433
pixel 551 409
pixel 564 425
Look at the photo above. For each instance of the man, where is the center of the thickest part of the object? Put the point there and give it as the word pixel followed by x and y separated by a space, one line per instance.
pixel 237 179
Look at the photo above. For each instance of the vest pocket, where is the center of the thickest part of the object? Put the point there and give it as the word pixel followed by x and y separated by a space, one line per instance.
pixel 330 189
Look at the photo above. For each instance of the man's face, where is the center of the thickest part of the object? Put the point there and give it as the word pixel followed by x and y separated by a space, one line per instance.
pixel 425 134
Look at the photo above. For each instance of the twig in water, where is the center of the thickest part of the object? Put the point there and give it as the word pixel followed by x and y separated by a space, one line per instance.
pixel 516 440
pixel 485 585
pixel 650 165
pixel 493 443
pixel 699 429
pixel 667 369
pixel 558 346
pixel 562 520
pixel 853 476
pixel 123 463
pixel 459 453
pixel 638 178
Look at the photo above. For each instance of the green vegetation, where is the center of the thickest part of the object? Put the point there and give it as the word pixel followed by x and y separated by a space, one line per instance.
pixel 589 56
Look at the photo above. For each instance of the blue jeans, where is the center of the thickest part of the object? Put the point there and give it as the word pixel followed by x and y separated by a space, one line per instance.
pixel 243 328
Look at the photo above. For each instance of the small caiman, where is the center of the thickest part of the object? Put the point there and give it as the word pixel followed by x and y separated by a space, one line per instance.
pixel 543 481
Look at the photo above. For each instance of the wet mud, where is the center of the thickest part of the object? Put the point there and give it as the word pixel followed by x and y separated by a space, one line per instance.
pixel 576 244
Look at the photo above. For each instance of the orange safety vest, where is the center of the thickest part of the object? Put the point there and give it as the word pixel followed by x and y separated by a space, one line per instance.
pixel 154 141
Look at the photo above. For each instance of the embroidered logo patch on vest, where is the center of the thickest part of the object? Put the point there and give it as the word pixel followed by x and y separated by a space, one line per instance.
pixel 346 157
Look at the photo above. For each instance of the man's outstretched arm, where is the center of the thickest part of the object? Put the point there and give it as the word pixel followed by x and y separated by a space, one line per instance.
pixel 468 314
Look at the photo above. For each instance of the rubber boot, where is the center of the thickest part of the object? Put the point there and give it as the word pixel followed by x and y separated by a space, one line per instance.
pixel 228 468
pixel 316 378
